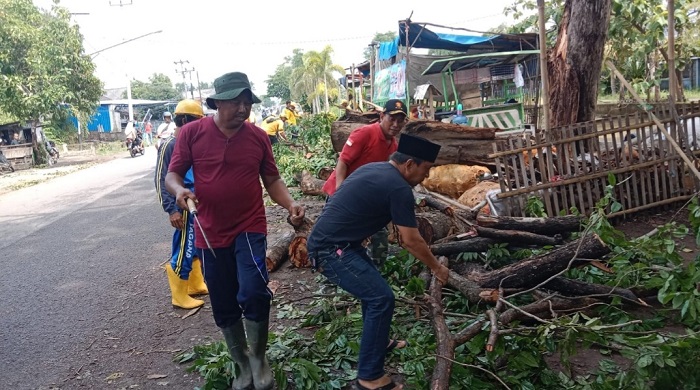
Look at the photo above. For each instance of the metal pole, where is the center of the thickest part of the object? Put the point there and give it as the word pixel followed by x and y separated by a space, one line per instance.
pixel 543 67
pixel 199 87
pixel 672 82
pixel 408 56
pixel 128 98
pixel 371 73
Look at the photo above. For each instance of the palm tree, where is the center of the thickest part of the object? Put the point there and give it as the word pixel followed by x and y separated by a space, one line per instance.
pixel 314 78
pixel 324 68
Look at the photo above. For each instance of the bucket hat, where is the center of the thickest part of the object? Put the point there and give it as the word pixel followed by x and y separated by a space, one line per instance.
pixel 229 86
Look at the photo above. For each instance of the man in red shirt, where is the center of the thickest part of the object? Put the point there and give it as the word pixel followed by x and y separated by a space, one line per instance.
pixel 368 144
pixel 229 156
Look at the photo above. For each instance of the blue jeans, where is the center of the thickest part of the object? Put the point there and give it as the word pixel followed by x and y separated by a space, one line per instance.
pixel 352 269
pixel 237 280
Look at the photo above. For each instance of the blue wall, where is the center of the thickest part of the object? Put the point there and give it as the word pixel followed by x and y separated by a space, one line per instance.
pixel 101 117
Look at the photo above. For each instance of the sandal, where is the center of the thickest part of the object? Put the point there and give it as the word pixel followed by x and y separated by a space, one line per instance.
pixel 394 344
pixel 389 386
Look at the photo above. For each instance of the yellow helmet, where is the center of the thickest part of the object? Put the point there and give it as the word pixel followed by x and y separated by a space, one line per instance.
pixel 189 107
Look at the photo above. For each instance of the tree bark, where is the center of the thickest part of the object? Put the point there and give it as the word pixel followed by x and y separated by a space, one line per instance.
pixel 577 288
pixel 466 145
pixel 546 226
pixel 278 251
pixel 575 62
pixel 433 226
pixel 476 244
pixel 298 254
pixel 310 185
pixel 535 270
pixel 518 237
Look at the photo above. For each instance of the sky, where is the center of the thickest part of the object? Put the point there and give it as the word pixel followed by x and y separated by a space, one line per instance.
pixel 220 36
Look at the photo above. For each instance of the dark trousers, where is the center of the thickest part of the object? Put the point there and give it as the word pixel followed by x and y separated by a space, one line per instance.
pixel 237 280
pixel 273 139
pixel 353 271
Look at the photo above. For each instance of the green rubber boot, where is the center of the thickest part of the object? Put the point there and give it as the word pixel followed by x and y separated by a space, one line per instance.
pixel 257 339
pixel 238 348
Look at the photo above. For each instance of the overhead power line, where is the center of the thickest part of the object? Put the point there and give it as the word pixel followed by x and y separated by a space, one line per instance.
pixel 300 42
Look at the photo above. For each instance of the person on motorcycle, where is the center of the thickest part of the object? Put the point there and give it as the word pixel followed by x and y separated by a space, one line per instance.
pixel 185 268
pixel 165 129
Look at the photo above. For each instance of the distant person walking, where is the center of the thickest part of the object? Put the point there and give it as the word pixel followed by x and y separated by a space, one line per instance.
pixel 148 133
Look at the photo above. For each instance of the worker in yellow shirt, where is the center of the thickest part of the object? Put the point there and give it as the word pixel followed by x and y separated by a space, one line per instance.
pixel 291 114
pixel 274 127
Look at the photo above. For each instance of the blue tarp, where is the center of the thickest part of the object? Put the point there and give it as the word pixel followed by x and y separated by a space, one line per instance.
pixel 388 49
pixel 419 36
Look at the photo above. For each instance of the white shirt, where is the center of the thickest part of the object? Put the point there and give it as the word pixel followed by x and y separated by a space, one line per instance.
pixel 165 130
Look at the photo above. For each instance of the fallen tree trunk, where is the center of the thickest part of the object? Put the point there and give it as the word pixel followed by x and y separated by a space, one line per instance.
pixel 298 254
pixel 433 226
pixel 577 288
pixel 446 131
pixel 518 237
pixel 310 185
pixel 278 251
pixel 475 244
pixel 531 272
pixel 546 226
pixel 460 144
pixel 340 131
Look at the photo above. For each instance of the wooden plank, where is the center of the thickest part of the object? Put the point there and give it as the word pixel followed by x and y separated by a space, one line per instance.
pixel 502 180
pixel 629 189
pixel 546 173
pixel 579 171
pixel 518 142
pixel 651 205
pixel 592 167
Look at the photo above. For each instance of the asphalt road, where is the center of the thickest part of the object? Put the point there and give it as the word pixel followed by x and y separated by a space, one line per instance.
pixel 83 300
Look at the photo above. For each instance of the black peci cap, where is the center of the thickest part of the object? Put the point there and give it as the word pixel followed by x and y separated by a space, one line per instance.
pixel 418 147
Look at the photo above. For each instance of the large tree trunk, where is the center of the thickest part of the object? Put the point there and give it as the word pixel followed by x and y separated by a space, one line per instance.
pixel 460 144
pixel 546 226
pixel 535 270
pixel 576 60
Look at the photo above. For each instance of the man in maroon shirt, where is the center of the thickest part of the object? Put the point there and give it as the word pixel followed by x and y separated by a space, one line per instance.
pixel 368 144
pixel 229 156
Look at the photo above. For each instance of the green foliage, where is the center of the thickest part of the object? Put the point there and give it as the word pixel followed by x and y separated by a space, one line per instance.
pixel 535 207
pixel 158 87
pixel 278 84
pixel 694 218
pixel 43 66
pixel 311 152
pixel 320 350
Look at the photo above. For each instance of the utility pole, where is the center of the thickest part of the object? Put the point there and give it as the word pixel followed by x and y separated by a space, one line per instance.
pixel 120 3
pixel 182 71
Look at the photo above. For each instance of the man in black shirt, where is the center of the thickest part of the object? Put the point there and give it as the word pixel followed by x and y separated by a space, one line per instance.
pixel 366 201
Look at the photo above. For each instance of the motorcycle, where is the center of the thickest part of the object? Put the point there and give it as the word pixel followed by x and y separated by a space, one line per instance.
pixel 53 152
pixel 5 165
pixel 135 146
